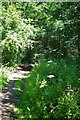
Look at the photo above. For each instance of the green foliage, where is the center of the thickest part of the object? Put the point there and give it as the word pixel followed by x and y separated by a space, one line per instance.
pixel 3 79
pixel 58 25
pixel 52 26
pixel 5 73
pixel 17 35
pixel 44 88
pixel 67 107
pixel 18 85
pixel 31 31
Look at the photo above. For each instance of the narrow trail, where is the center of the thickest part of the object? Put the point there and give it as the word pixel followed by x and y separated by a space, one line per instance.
pixel 8 98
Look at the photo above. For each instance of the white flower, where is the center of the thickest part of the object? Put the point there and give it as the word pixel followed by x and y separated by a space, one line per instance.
pixel 50 76
pixel 43 84
pixel 50 61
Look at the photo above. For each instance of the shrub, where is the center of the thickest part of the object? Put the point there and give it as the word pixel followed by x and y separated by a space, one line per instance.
pixel 67 107
pixel 43 88
pixel 17 35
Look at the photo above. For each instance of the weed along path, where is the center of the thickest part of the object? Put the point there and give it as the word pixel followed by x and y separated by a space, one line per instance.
pixel 8 97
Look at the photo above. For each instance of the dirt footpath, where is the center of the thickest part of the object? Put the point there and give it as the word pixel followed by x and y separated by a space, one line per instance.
pixel 8 98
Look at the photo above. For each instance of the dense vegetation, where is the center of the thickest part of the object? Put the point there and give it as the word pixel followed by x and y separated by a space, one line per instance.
pixel 47 35
pixel 51 91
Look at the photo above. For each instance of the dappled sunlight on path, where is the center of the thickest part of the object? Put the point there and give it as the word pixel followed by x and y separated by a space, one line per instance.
pixel 8 97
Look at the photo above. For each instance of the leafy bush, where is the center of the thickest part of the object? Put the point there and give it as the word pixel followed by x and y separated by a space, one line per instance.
pixel 44 88
pixel 67 107
pixel 17 35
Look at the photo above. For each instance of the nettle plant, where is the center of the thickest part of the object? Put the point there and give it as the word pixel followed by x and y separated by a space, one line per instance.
pixel 17 35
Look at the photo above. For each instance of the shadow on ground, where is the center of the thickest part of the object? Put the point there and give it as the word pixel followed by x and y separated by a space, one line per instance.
pixel 10 99
pixel 11 96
